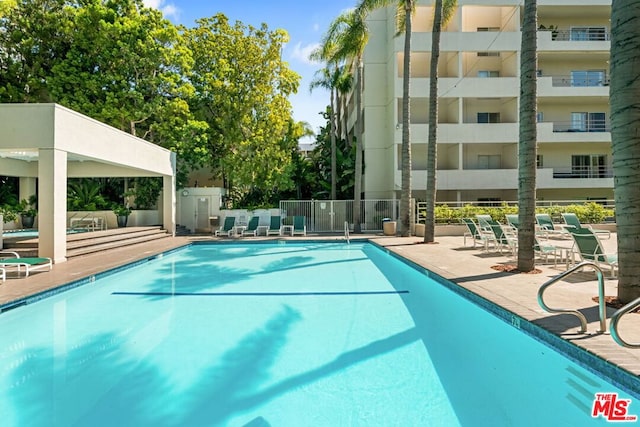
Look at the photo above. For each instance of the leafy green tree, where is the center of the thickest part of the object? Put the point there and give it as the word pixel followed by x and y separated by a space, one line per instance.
pixel 345 165
pixel 241 91
pixel 625 116
pixel 528 139
pixel 34 36
pixel 123 66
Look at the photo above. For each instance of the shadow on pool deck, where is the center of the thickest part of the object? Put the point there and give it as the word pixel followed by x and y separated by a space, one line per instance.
pixel 469 268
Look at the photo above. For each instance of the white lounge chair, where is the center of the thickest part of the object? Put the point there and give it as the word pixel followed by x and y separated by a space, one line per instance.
pixel 9 259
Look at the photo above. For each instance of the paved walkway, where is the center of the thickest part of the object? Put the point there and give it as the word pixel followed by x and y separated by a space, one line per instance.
pixel 469 267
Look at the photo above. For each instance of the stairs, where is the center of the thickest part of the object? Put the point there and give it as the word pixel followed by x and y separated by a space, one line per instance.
pixel 85 243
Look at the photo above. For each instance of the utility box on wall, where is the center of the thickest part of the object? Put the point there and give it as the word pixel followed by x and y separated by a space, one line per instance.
pixel 196 205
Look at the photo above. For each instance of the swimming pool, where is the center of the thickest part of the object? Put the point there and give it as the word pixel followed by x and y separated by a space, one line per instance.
pixel 33 232
pixel 312 334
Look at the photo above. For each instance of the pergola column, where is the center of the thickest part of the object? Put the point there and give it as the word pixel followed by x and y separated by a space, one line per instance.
pixel 26 187
pixel 169 199
pixel 52 204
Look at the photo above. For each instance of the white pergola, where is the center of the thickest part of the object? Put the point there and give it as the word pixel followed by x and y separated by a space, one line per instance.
pixel 52 143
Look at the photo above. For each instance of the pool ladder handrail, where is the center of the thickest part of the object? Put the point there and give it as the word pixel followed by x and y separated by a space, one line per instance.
pixel 583 319
pixel 346 231
pixel 613 325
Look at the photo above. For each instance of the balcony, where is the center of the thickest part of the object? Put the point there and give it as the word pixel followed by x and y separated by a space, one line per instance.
pixel 574 39
pixel 546 178
pixel 565 132
pixel 577 172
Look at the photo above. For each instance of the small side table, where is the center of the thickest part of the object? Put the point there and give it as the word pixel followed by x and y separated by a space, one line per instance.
pixel 287 228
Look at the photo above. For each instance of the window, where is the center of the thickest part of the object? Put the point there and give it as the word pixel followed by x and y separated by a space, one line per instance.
pixel 588 122
pixel 539 163
pixel 584 78
pixel 488 53
pixel 488 73
pixel 538 73
pixel 488 117
pixel 539 117
pixel 589 166
pixel 489 161
pixel 484 29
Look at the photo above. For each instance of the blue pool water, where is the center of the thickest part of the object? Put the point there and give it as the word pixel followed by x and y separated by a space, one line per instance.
pixel 295 334
pixel 32 232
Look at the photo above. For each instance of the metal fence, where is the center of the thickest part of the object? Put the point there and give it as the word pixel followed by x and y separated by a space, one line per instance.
pixel 329 216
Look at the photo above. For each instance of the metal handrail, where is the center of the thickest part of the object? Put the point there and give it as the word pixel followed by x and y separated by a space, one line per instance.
pixel 346 231
pixel 601 302
pixel 613 326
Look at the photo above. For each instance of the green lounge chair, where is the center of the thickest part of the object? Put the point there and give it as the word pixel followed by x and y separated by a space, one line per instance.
pixel 275 226
pixel 590 249
pixel 483 221
pixel 476 234
pixel 547 227
pixel 501 239
pixel 252 227
pixel 513 221
pixel 13 260
pixel 572 222
pixel 227 228
pixel 299 226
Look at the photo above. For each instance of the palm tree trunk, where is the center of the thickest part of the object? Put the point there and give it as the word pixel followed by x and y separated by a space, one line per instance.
pixel 334 172
pixel 339 116
pixel 405 197
pixel 625 115
pixel 527 139
pixel 432 143
pixel 357 184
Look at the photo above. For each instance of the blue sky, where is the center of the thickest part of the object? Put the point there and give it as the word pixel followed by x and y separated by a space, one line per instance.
pixel 305 20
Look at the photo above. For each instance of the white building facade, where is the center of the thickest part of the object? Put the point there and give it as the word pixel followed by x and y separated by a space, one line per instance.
pixel 478 86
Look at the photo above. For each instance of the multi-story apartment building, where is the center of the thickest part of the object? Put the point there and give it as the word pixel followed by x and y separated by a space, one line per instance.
pixel 478 84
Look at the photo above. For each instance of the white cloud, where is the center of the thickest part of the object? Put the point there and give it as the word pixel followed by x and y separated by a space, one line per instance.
pixel 301 53
pixel 168 10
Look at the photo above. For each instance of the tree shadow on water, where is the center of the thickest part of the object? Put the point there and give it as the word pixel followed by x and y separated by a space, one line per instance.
pixel 99 382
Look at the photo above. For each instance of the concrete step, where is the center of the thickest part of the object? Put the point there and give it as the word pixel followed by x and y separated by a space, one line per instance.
pixel 128 239
pixel 118 234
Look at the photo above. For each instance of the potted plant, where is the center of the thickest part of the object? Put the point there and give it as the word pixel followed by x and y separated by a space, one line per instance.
pixel 28 211
pixel 122 214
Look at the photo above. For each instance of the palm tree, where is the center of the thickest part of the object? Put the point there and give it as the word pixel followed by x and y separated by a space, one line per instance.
pixel 443 11
pixel 625 115
pixel 327 78
pixel 349 34
pixel 344 85
pixel 404 11
pixel 528 139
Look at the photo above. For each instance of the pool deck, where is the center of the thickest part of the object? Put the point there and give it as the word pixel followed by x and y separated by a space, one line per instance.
pixel 467 266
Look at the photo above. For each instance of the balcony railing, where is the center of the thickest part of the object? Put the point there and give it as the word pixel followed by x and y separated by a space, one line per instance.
pixel 583 172
pixel 573 81
pixel 590 126
pixel 581 34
